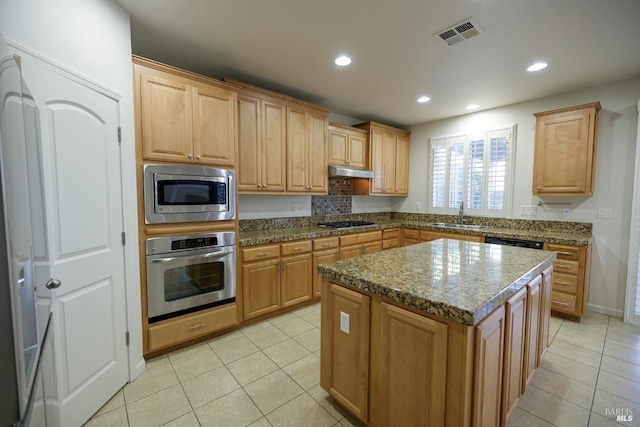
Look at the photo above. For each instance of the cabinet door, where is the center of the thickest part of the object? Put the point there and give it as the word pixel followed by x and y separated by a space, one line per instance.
pixel 350 251
pixel 489 354
pixel 316 159
pixel 545 312
pixel 297 150
pixel 320 258
pixel 371 248
pixel 344 369
pixel 534 317
pixel 389 163
pixel 514 351
pixel 261 287
pixel 166 116
pixel 249 144
pixel 214 129
pixel 338 141
pixel 413 362
pixel 377 161
pixel 402 165
pixel 296 279
pixel 564 152
pixel 357 151
pixel 274 143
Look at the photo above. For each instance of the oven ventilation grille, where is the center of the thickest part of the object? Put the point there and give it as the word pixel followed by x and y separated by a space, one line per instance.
pixel 459 32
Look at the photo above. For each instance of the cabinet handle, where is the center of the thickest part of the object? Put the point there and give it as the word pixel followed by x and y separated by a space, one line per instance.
pixel 327 244
pixel 560 303
pixel 198 326
pixel 566 267
pixel 565 253
pixel 298 249
pixel 560 282
pixel 539 188
pixel 190 156
pixel 198 157
pixel 263 253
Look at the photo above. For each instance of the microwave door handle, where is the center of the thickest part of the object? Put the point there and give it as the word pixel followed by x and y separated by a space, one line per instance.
pixel 209 255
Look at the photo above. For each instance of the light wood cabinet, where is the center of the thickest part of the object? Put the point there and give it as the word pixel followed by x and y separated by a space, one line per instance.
pixel 389 159
pixel 565 147
pixel 545 312
pixel 488 356
pixel 413 360
pixel 347 146
pixel 182 117
pixel 261 287
pixel 514 352
pixel 296 270
pixel 532 332
pixel 325 250
pixel 412 236
pixel 345 348
pixel 353 245
pixel 571 272
pixel 262 130
pixel 390 238
pixel 306 150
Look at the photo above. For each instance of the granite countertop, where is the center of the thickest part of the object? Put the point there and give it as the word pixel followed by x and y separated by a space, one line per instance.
pixel 457 280
pixel 559 236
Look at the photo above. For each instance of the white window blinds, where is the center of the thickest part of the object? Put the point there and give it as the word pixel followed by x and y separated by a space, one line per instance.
pixel 473 168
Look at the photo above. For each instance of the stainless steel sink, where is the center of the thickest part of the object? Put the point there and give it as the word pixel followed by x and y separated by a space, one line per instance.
pixel 459 226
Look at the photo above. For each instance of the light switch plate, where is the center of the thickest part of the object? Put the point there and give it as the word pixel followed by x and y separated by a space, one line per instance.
pixel 529 210
pixel 344 322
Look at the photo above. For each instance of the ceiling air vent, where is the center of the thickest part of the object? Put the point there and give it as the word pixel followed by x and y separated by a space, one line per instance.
pixel 458 33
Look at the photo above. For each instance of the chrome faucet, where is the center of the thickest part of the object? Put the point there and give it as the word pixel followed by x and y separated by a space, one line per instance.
pixel 461 213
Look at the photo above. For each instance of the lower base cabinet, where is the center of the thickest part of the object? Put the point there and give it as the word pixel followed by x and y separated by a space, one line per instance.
pixel 514 352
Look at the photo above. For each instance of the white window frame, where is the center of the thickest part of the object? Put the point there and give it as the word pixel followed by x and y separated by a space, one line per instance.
pixel 465 138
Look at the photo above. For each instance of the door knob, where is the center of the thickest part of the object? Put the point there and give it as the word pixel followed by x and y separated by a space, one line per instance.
pixel 53 284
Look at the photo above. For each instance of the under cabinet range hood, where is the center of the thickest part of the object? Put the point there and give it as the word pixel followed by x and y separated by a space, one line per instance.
pixel 349 172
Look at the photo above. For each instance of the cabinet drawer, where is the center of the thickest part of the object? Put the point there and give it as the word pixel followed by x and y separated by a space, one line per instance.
pixel 296 247
pixel 565 252
pixel 412 234
pixel 176 331
pixel 326 243
pixel 563 302
pixel 565 283
pixel 567 267
pixel 354 239
pixel 260 253
pixel 390 243
pixel 392 233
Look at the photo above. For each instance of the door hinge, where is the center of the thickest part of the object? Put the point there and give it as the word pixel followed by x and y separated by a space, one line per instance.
pixel 119 134
pixel 124 238
pixel 126 337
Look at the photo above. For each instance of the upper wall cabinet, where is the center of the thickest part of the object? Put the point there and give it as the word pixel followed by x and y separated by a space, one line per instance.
pixel 183 117
pixel 347 146
pixel 389 159
pixel 565 147
pixel 282 142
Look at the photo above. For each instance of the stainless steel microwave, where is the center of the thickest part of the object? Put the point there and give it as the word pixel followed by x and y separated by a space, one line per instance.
pixel 188 194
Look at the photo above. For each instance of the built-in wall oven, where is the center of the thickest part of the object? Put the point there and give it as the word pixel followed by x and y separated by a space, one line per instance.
pixel 180 193
pixel 189 273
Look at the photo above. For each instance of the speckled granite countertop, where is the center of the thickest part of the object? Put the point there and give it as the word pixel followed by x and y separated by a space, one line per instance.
pixel 457 280
pixel 503 230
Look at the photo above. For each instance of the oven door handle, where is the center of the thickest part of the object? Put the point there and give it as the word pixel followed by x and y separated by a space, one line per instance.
pixel 209 255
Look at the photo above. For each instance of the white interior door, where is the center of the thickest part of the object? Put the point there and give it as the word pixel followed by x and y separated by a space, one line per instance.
pixel 632 300
pixel 83 216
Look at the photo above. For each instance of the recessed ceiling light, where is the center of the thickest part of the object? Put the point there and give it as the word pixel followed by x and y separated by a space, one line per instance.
pixel 472 106
pixel 343 60
pixel 537 66
pixel 423 99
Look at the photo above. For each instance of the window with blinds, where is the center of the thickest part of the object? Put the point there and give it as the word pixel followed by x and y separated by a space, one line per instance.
pixel 475 169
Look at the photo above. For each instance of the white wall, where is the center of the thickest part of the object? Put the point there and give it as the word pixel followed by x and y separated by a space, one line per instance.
pixel 613 181
pixel 90 38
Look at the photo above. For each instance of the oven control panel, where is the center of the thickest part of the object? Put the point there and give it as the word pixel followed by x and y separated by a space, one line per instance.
pixel 177 245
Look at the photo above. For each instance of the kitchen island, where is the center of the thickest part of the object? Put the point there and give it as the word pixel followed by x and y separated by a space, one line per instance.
pixel 440 333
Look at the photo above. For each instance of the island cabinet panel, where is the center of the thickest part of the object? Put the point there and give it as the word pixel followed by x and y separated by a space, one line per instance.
pixel 412 371
pixel 344 369
pixel 514 351
pixel 489 355
pixel 545 312
pixel 532 335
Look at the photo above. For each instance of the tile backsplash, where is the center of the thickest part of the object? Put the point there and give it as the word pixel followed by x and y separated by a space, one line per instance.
pixel 338 201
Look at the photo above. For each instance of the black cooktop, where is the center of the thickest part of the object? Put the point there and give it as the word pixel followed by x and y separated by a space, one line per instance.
pixel 345 224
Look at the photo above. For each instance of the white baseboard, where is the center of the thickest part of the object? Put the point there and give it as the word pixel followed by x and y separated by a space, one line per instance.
pixel 606 310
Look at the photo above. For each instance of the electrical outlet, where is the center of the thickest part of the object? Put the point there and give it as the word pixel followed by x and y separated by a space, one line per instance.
pixel 344 322
pixel 529 210
pixel 566 211
pixel 294 208
pixel 604 213
pixel 418 206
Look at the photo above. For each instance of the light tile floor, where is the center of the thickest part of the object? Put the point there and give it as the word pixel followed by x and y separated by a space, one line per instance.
pixel 267 374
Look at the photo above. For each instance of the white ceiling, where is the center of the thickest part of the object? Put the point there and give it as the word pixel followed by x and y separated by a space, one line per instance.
pixel 289 46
